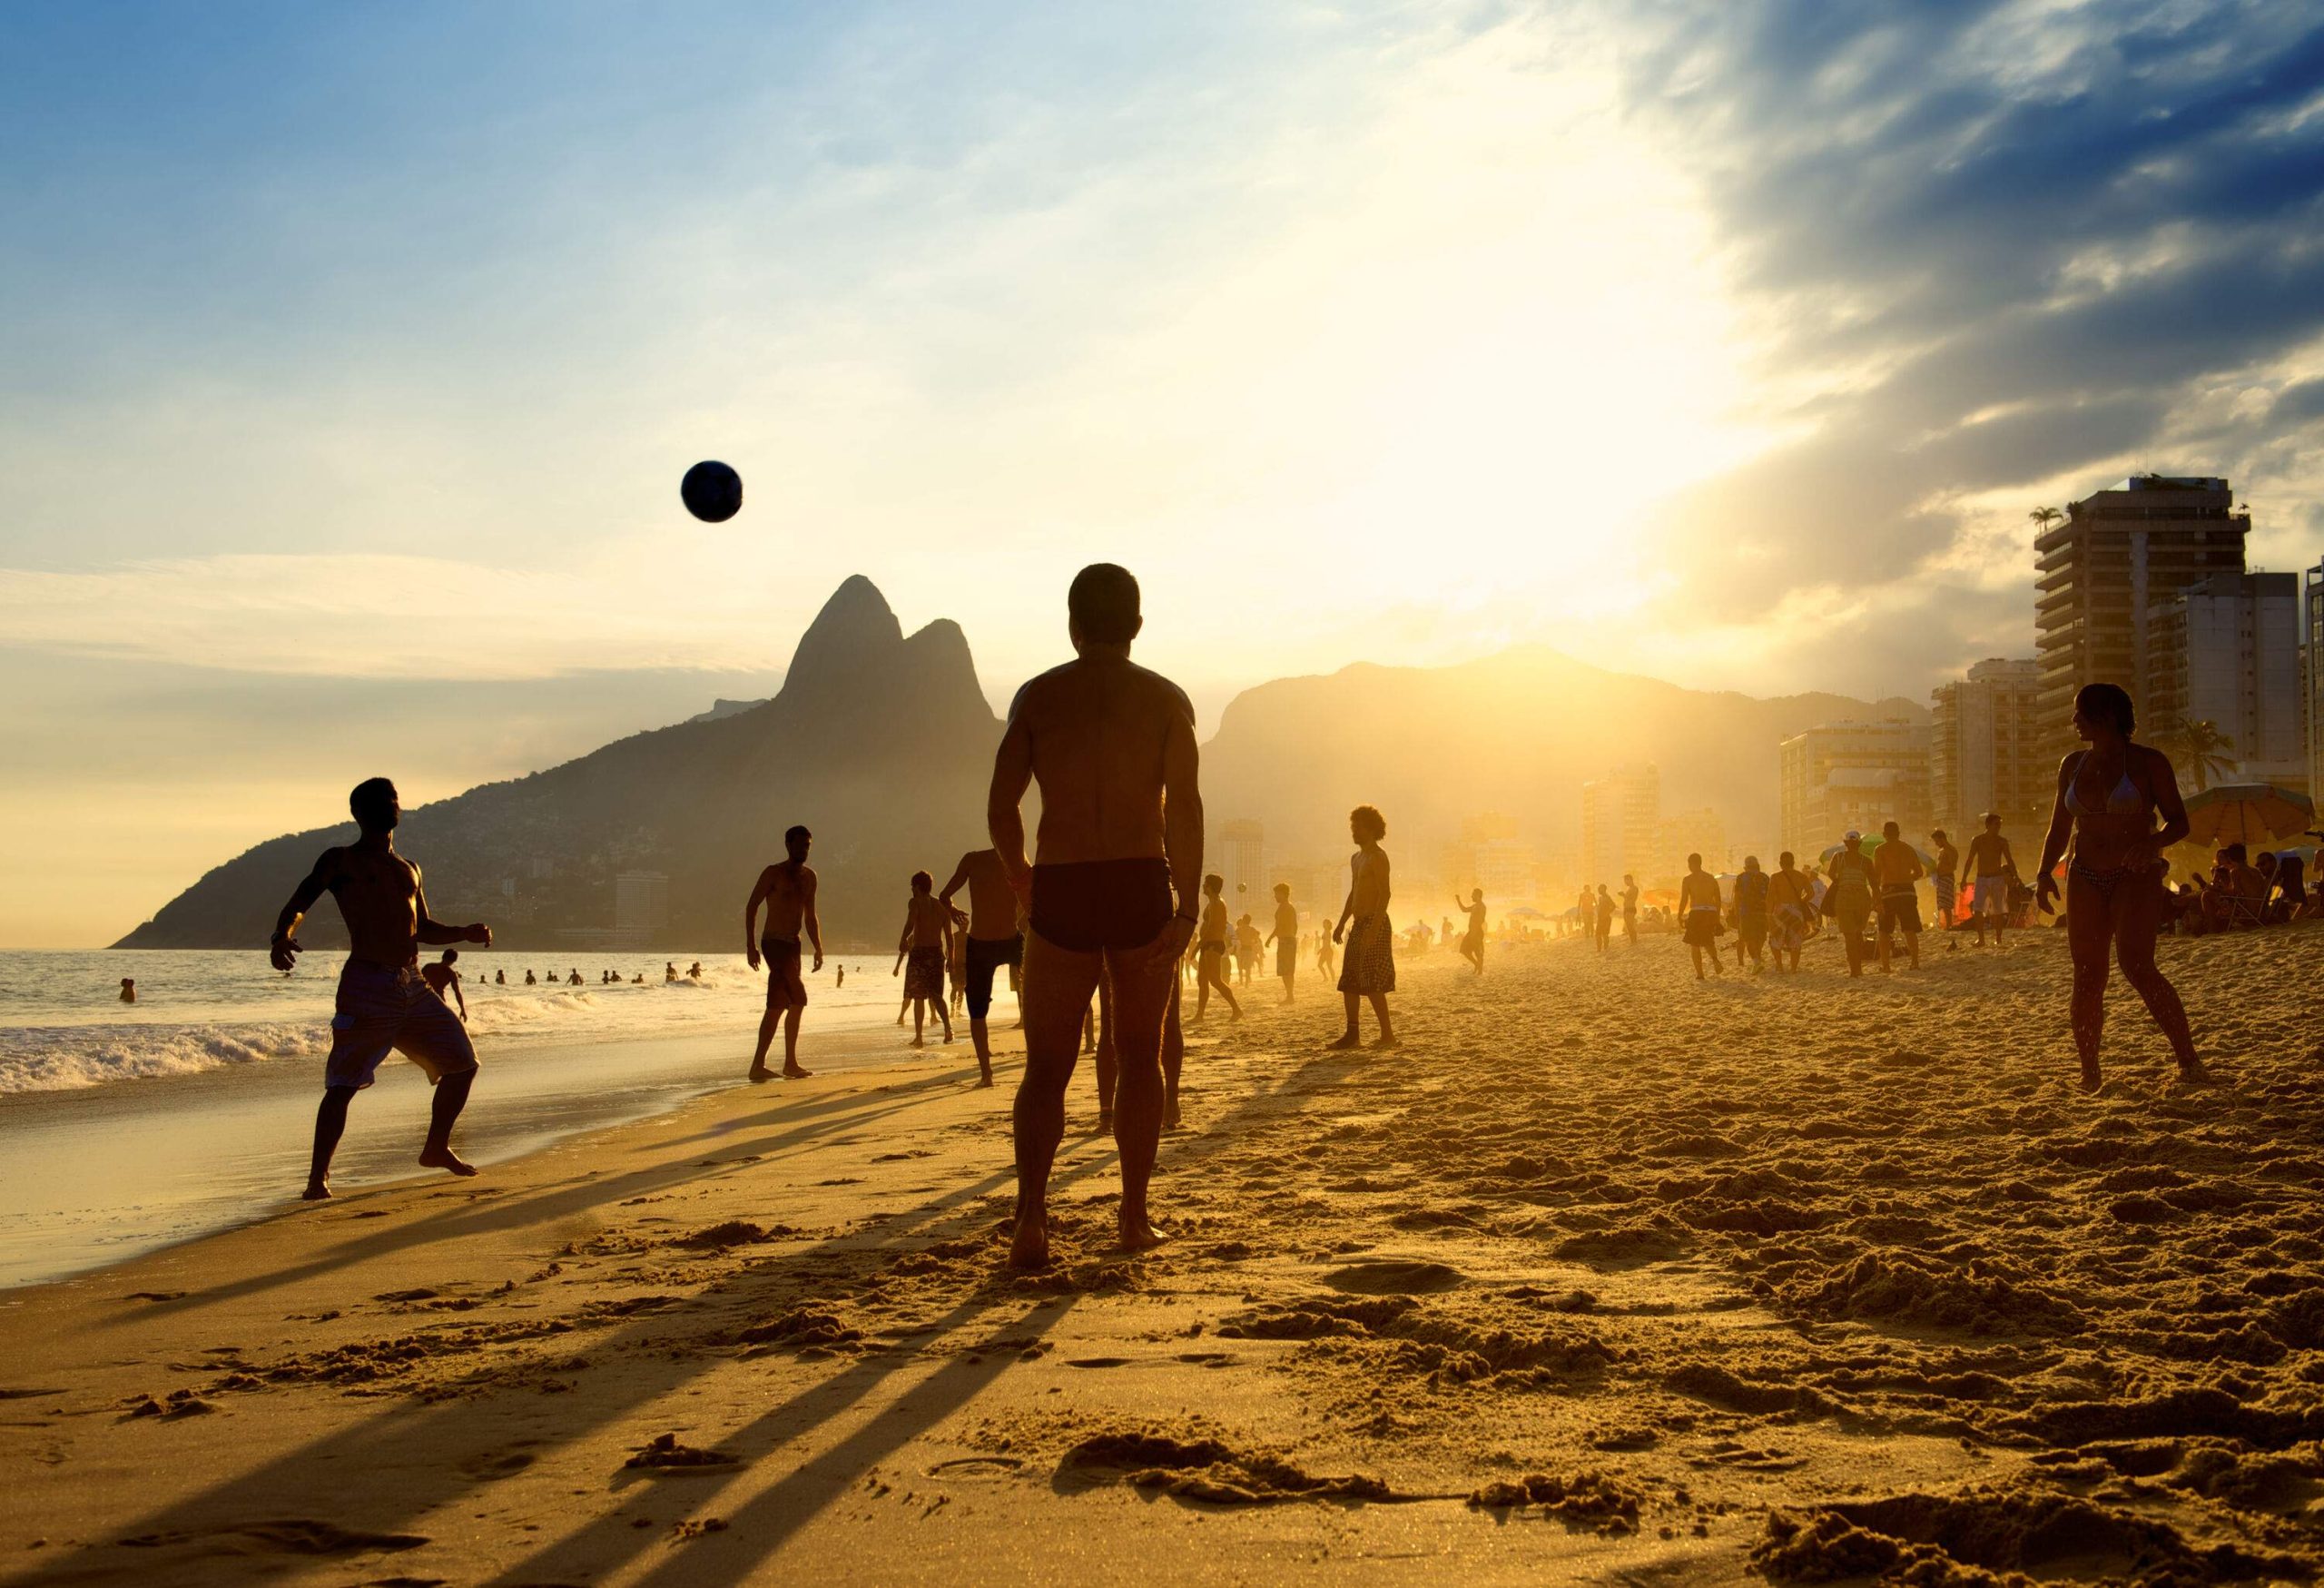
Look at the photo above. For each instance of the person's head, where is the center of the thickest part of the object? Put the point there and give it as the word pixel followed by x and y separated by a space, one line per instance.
pixel 1855 841
pixel 2267 861
pixel 795 841
pixel 1283 892
pixel 129 980
pixel 1783 860
pixel 1993 821
pixel 1890 831
pixel 374 804
pixel 2104 710
pixel 1694 862
pixel 921 883
pixel 1938 836
pixel 1213 885
pixel 1245 920
pixel 1750 863
pixel 1476 895
pixel 2233 851
pixel 1601 889
pixel 451 956
pixel 1628 880
pixel 1101 607
pixel 1367 824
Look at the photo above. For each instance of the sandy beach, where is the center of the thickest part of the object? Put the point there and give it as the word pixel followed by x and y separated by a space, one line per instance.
pixel 1604 1277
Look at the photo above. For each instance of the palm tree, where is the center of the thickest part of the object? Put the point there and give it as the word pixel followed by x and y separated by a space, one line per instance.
pixel 2198 749
pixel 2043 517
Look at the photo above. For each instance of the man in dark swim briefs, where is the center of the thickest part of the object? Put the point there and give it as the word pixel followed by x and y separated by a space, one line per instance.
pixel 1112 747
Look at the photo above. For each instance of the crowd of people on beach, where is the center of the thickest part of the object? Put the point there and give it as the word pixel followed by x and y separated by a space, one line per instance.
pixel 1103 924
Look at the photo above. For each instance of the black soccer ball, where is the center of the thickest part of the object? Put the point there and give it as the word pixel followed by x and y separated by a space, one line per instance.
pixel 712 492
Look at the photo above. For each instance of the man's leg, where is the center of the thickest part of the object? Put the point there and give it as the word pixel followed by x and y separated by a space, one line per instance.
pixel 1387 1037
pixel 451 1097
pixel 768 1023
pixel 1913 948
pixel 330 1124
pixel 791 1043
pixel 1108 1071
pixel 1174 1057
pixel 1141 980
pixel 1348 1037
pixel 1058 984
pixel 980 971
pixel 918 1022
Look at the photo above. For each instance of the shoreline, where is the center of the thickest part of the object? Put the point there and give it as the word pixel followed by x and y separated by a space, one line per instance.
pixel 1603 1275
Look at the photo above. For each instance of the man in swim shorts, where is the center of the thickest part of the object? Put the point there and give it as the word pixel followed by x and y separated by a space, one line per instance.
pixel 993 940
pixel 1946 876
pixel 787 889
pixel 383 1001
pixel 1112 747
pixel 1898 872
pixel 1994 868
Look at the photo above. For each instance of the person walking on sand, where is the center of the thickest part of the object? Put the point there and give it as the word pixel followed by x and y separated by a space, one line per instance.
pixel 1605 902
pixel 1699 899
pixel 787 889
pixel 1209 965
pixel 1750 903
pixel 1370 971
pixel 1996 871
pixel 1947 877
pixel 445 982
pixel 1629 909
pixel 1284 938
pixel 1898 872
pixel 924 945
pixel 1248 946
pixel 1850 871
pixel 2109 796
pixel 382 1001
pixel 1791 909
pixel 993 940
pixel 1112 747
pixel 1326 955
pixel 1472 941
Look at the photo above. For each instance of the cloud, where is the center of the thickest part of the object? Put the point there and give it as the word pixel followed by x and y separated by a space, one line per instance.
pixel 2002 248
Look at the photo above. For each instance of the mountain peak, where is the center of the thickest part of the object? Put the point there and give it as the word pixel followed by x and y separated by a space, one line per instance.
pixel 855 626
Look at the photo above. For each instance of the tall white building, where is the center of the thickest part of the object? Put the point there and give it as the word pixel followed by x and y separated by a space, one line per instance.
pixel 1240 855
pixel 1619 815
pixel 2226 650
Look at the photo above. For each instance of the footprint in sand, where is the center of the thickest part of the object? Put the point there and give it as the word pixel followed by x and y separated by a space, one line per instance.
pixel 1395 1276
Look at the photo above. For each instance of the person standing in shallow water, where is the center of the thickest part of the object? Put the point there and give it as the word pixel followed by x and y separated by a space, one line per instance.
pixel 382 1002
pixel 1370 968
pixel 2109 797
pixel 1112 747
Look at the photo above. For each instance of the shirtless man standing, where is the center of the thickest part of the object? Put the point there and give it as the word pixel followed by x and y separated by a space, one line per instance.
pixel 993 939
pixel 1947 878
pixel 1112 747
pixel 922 950
pixel 383 1002
pixel 445 982
pixel 1994 869
pixel 787 888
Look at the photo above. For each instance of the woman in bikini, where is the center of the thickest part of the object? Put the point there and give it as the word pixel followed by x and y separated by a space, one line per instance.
pixel 2109 795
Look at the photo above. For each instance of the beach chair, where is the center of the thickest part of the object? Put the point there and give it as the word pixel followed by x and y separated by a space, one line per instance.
pixel 2239 910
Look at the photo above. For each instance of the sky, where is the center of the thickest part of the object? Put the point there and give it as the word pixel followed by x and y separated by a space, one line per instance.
pixel 354 354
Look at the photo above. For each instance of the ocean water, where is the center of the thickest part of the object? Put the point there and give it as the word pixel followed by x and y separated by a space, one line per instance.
pixel 62 1024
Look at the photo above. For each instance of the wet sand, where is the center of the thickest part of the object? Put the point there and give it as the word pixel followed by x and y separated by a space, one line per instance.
pixel 1604 1277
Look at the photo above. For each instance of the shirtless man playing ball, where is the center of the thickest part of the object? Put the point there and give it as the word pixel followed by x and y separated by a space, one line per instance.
pixel 1113 747
pixel 787 889
pixel 384 1003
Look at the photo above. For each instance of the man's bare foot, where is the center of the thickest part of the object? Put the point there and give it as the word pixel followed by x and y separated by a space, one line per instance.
pixel 792 1073
pixel 1387 1041
pixel 1170 1119
pixel 985 1079
pixel 316 1191
pixel 1139 1235
pixel 2192 1073
pixel 1029 1246
pixel 760 1072
pixel 1349 1040
pixel 2090 1079
pixel 445 1159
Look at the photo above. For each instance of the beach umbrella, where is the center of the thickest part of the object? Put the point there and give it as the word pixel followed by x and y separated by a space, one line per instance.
pixel 2247 812
pixel 1527 912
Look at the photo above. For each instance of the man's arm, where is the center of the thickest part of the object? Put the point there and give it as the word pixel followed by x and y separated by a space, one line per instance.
pixel 903 943
pixel 1012 774
pixel 461 999
pixel 960 880
pixel 2167 803
pixel 751 916
pixel 432 931
pixel 283 947
pixel 807 904
pixel 1181 823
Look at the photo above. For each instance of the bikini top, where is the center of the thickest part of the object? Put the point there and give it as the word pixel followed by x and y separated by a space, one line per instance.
pixel 2124 799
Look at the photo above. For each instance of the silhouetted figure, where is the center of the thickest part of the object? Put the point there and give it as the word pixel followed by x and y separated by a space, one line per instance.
pixel 383 1004
pixel 669 972
pixel 1791 910
pixel 1993 869
pixel 1947 877
pixel 1247 946
pixel 129 990
pixel 921 950
pixel 1285 939
pixel 445 982
pixel 1210 961
pixel 693 971
pixel 1699 901
pixel 787 889
pixel 2109 795
pixel 1112 747
pixel 1370 971
pixel 1850 872
pixel 993 940
pixel 500 978
pixel 573 979
pixel 1472 942
pixel 1751 889
pixel 530 979
pixel 1629 909
pixel 1898 871
pixel 1603 907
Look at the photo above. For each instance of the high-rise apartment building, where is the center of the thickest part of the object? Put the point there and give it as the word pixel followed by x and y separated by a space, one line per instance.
pixel 1241 852
pixel 2226 651
pixel 1986 749
pixel 1845 776
pixel 2116 554
pixel 1620 813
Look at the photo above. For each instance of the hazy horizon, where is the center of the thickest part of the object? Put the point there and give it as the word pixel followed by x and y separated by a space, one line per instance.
pixel 1723 344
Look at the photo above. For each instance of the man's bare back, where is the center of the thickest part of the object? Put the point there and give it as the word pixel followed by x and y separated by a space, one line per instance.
pixel 992 906
pixel 1096 734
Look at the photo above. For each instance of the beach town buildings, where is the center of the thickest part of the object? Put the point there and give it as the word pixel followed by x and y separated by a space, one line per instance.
pixel 1620 813
pixel 2226 650
pixel 1239 855
pixel 641 906
pixel 2102 569
pixel 1702 831
pixel 1839 776
pixel 1489 854
pixel 1986 749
